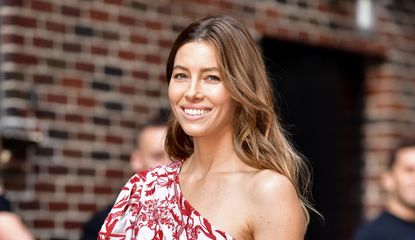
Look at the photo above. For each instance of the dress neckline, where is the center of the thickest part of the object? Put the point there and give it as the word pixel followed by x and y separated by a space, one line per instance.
pixel 184 201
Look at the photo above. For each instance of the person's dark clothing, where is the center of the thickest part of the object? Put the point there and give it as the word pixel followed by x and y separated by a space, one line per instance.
pixel 92 227
pixel 386 227
pixel 5 204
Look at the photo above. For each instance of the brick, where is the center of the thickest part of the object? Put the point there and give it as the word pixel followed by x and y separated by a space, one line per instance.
pixel 45 114
pixel 134 38
pixel 84 31
pixel 57 98
pixel 14 185
pixel 59 134
pixel 141 109
pixel 153 59
pixel 39 224
pixel 42 42
pixel 72 82
pixel 125 157
pixel 14 93
pixel 45 187
pixel 58 206
pixel 42 79
pixel 114 174
pixel 72 153
pixel 12 38
pixel 76 118
pixel 117 2
pixel 20 21
pixel 29 205
pixel 73 224
pixel 41 6
pixel 110 35
pixel 86 172
pixel 164 9
pixel 86 137
pixel 126 89
pixel 114 71
pixel 153 93
pixel 14 3
pixel 56 63
pixel 139 6
pixel 101 121
pixel 87 207
pixel 21 58
pixel 102 190
pixel 44 151
pixel 101 86
pixel 82 66
pixel 86 101
pixel 165 43
pixel 248 9
pixel 114 139
pixel 226 4
pixel 99 50
pixel 74 188
pixel 72 47
pixel 127 20
pixel 55 27
pixel 70 11
pixel 153 25
pixel 272 12
pixel 17 112
pixel 98 15
pixel 128 55
pixel 13 76
pixel 112 105
pixel 57 170
pixel 128 124
pixel 100 155
pixel 142 75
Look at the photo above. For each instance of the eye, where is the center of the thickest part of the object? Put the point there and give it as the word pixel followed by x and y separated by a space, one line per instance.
pixel 213 78
pixel 179 76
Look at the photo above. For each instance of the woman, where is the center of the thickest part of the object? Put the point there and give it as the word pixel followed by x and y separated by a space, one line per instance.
pixel 235 175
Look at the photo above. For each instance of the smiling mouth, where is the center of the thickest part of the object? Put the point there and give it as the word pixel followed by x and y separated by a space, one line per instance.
pixel 196 112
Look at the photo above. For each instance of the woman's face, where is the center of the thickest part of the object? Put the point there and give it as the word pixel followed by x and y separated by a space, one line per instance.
pixel 198 97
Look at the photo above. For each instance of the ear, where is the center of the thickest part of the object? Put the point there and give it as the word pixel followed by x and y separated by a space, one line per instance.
pixel 388 182
pixel 136 162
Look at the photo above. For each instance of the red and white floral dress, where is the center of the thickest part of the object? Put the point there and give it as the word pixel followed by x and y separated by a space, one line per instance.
pixel 151 206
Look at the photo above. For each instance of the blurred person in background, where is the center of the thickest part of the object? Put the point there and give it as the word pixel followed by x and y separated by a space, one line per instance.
pixel 397 221
pixel 148 153
pixel 11 226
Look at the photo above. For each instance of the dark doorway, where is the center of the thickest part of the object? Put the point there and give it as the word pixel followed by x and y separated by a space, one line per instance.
pixel 319 96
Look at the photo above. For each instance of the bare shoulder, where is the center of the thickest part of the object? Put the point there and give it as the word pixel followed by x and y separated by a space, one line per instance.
pixel 276 209
pixel 268 184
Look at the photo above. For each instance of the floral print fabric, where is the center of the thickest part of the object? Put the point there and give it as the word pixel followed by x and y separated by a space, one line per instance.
pixel 151 206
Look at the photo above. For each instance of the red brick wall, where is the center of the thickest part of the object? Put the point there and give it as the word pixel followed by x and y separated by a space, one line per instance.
pixel 82 74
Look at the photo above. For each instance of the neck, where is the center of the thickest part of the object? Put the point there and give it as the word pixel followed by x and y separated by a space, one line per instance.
pixel 401 211
pixel 212 154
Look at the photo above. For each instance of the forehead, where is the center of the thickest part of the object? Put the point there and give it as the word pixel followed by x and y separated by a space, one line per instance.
pixel 406 157
pixel 196 52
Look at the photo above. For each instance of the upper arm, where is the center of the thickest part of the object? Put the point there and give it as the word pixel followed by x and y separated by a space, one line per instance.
pixel 277 211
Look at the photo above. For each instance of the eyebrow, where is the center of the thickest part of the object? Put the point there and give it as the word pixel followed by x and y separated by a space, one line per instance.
pixel 209 69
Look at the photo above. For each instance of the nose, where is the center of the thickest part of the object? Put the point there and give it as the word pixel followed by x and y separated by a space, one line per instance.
pixel 193 90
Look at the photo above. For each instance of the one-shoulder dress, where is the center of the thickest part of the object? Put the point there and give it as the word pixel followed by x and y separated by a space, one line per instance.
pixel 151 206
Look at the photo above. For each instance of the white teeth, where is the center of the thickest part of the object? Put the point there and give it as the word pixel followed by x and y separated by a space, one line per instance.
pixel 195 112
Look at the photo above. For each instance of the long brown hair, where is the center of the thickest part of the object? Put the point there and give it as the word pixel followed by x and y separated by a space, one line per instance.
pixel 258 137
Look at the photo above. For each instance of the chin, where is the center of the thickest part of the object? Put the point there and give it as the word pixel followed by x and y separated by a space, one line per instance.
pixel 194 132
